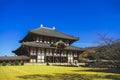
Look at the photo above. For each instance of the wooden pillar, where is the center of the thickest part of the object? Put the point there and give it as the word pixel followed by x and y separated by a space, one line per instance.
pixel 45 60
pixel 53 51
pixel 36 54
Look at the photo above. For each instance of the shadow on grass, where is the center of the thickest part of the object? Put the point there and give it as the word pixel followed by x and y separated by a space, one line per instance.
pixel 66 77
pixel 54 77
pixel 108 70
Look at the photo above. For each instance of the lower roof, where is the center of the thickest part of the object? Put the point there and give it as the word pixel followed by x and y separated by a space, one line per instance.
pixel 47 45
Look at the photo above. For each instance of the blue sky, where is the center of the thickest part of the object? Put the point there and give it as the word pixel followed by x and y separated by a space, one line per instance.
pixel 81 18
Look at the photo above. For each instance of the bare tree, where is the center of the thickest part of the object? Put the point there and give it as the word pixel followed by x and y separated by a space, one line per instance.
pixel 108 49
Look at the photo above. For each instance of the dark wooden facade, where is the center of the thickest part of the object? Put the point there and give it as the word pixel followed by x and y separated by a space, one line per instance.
pixel 38 45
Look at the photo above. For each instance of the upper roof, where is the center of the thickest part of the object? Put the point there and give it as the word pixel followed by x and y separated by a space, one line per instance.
pixel 52 32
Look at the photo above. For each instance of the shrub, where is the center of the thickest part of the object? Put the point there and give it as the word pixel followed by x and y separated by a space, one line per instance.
pixel 16 63
pixel 4 63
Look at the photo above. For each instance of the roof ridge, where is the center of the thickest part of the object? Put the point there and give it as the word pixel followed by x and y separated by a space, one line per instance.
pixel 48 28
pixel 41 26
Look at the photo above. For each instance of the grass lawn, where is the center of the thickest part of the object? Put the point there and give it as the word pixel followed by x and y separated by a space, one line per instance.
pixel 42 72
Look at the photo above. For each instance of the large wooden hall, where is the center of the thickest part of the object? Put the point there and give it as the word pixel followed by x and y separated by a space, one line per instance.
pixel 49 45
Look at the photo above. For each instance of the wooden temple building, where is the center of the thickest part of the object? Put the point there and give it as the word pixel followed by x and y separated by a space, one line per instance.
pixel 48 45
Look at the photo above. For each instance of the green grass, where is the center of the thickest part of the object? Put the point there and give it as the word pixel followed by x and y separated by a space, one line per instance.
pixel 42 72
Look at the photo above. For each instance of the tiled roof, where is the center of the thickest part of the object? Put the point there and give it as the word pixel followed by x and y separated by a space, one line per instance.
pixel 46 45
pixel 53 33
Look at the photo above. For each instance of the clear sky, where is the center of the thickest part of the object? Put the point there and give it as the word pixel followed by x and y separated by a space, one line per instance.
pixel 81 18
